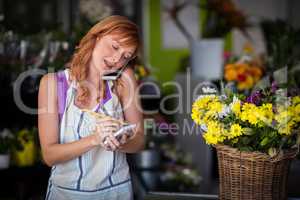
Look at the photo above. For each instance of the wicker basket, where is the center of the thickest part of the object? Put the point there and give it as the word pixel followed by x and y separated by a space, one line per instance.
pixel 252 175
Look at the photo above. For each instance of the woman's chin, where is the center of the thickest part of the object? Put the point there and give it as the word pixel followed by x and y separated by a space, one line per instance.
pixel 99 68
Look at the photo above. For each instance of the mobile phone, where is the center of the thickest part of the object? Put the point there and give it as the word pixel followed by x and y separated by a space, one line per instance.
pixel 123 130
pixel 113 75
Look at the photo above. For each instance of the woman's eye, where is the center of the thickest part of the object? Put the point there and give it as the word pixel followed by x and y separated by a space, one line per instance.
pixel 115 47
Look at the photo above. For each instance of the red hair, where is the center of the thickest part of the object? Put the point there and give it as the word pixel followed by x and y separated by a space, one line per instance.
pixel 79 63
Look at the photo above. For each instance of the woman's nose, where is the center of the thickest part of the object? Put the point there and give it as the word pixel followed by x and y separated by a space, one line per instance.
pixel 116 58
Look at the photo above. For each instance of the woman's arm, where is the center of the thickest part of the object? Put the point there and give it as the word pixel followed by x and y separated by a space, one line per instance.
pixel 130 100
pixel 52 151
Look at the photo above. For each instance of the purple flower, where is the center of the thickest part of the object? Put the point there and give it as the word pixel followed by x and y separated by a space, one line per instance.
pixel 254 98
pixel 274 123
pixel 274 87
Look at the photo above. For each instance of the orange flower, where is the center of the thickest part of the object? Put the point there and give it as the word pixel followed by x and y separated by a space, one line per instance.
pixel 256 72
pixel 229 66
pixel 241 68
pixel 246 84
pixel 230 74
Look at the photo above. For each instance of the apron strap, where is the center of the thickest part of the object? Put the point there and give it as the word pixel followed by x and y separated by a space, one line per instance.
pixel 62 87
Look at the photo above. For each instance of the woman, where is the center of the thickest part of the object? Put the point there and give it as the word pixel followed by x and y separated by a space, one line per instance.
pixel 87 161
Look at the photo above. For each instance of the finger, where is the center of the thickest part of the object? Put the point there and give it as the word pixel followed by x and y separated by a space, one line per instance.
pixel 107 148
pixel 111 144
pixel 114 140
pixel 104 141
pixel 124 139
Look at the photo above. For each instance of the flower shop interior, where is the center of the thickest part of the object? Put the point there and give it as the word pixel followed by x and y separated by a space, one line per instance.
pixel 218 82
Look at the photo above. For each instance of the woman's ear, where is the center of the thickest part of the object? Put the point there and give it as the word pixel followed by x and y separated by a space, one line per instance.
pixel 132 63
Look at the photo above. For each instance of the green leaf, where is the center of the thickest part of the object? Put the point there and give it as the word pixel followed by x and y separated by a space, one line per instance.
pixel 272 152
pixel 248 131
pixel 245 149
pixel 264 141
pixel 245 140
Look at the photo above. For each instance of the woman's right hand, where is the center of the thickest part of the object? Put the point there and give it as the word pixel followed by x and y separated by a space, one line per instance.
pixel 104 131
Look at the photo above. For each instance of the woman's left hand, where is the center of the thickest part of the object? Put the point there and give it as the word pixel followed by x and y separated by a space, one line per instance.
pixel 123 140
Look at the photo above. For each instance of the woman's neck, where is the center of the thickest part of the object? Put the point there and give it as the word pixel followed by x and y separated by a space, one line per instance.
pixel 93 77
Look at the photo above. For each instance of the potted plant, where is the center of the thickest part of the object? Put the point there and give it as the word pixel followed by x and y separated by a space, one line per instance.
pixel 27 154
pixel 220 17
pixel 6 145
pixel 256 137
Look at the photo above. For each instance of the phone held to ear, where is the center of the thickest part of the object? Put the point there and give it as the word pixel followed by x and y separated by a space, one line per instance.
pixel 124 130
pixel 114 75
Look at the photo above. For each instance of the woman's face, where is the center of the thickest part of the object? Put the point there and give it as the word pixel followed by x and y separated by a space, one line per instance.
pixel 109 55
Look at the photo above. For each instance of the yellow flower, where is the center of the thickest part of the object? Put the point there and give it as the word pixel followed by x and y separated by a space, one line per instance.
pixel 235 131
pixel 213 127
pixel 250 113
pixel 215 133
pixel 296 113
pixel 200 109
pixel 296 100
pixel 236 107
pixel 196 116
pixel 202 102
pixel 285 121
pixel 283 117
pixel 216 106
pixel 286 129
pixel 210 138
pixel 209 114
pixel 142 71
pixel 266 114
pixel 246 84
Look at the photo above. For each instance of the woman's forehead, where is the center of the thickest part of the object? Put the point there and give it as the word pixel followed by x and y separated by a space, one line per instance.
pixel 123 40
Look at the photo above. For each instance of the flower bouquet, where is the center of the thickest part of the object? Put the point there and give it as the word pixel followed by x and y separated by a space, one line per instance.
pixel 246 75
pixel 255 137
pixel 245 72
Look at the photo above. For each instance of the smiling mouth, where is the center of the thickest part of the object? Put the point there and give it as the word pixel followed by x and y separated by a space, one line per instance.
pixel 107 64
pixel 108 68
